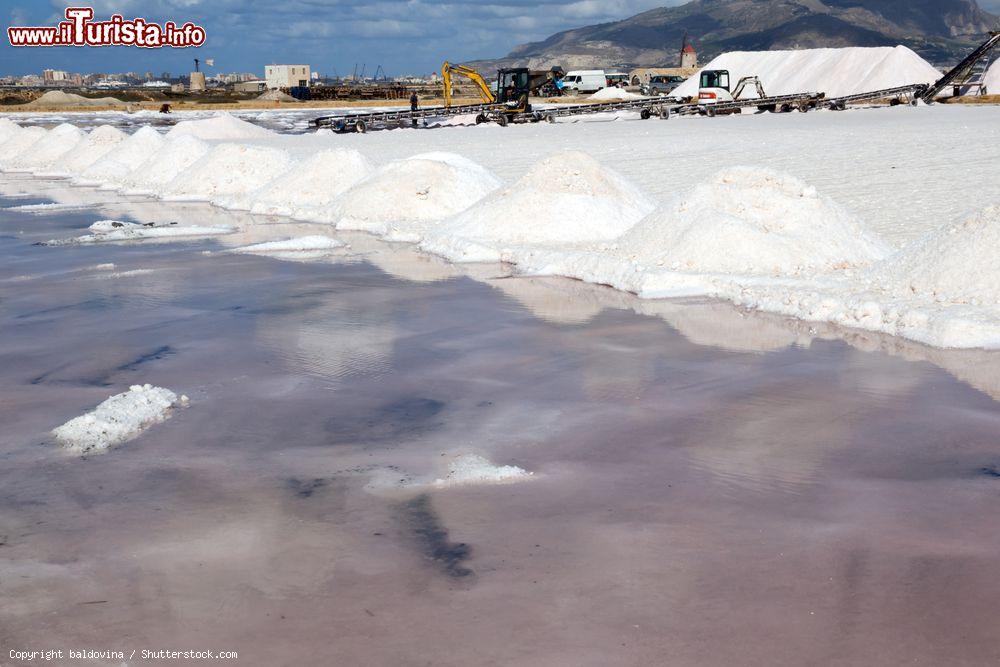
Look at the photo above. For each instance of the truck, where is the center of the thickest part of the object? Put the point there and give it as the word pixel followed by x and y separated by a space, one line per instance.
pixel 584 81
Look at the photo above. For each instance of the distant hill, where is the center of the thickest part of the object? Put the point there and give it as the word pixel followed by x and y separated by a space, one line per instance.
pixel 941 31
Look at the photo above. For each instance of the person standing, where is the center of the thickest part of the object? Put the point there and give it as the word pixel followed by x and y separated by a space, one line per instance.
pixel 414 102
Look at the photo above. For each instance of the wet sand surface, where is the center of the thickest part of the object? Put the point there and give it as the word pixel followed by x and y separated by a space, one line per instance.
pixel 710 487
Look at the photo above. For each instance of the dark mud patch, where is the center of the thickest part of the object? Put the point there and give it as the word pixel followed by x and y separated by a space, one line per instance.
pixel 154 355
pixel 305 488
pixel 424 524
pixel 403 418
pixel 989 471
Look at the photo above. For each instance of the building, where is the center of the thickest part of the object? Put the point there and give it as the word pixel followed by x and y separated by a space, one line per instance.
pixel 257 86
pixel 54 75
pixel 286 76
pixel 689 57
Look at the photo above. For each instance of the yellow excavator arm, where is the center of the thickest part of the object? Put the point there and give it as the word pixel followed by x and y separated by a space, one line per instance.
pixel 447 69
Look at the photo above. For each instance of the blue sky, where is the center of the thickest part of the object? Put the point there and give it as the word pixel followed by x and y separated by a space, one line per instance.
pixel 404 36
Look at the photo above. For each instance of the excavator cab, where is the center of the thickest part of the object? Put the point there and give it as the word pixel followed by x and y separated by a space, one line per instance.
pixel 514 87
pixel 714 87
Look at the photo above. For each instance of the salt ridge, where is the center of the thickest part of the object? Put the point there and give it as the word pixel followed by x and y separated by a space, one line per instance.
pixel 815 273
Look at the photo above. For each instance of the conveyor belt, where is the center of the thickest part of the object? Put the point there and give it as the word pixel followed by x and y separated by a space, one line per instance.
pixel 913 92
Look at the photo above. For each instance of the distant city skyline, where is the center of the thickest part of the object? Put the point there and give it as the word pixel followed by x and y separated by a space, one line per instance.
pixel 403 36
pixel 332 36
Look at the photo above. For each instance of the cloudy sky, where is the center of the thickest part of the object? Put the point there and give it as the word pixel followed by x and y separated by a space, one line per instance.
pixel 404 36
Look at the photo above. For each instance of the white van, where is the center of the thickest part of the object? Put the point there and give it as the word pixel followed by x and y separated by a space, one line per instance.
pixel 583 81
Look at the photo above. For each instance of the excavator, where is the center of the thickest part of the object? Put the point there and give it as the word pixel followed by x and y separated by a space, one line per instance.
pixel 514 86
pixel 713 88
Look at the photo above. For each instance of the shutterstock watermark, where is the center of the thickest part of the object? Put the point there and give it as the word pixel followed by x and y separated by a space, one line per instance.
pixel 79 29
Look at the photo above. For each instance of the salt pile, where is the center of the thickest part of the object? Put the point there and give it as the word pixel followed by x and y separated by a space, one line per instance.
pixel 474 469
pixel 565 199
pixel 223 127
pixel 959 264
pixel 19 143
pixel 835 72
pixel 404 198
pixel 99 142
pixel 228 169
pixel 992 79
pixel 59 141
pixel 299 244
pixel 750 221
pixel 105 231
pixel 118 419
pixel 276 96
pixel 611 94
pixel 310 187
pixel 174 158
pixel 8 128
pixel 58 98
pixel 119 162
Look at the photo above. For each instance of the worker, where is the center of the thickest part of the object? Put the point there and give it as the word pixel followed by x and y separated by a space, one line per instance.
pixel 165 108
pixel 414 102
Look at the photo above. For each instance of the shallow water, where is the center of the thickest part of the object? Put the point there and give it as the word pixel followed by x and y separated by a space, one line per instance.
pixel 710 486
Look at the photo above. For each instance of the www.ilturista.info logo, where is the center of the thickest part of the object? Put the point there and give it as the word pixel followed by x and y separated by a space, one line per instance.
pixel 80 30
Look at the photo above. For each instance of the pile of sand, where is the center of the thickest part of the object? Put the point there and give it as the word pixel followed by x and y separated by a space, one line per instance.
pixel 58 98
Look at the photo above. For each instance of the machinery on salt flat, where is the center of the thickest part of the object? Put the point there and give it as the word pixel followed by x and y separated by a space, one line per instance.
pixel 509 103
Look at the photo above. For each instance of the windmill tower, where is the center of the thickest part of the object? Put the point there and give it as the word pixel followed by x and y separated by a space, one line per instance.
pixel 689 57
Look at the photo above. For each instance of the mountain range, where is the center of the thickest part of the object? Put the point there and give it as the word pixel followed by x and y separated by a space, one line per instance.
pixel 942 31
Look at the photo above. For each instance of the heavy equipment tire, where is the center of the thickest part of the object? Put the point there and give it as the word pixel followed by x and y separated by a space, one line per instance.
pixel 644 114
pixel 785 108
pixel 665 113
pixel 550 119
pixel 803 107
pixel 710 112
pixel 502 120
pixel 360 127
pixel 481 118
pixel 767 108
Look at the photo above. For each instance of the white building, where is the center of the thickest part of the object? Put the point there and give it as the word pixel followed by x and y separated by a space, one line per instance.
pixel 286 76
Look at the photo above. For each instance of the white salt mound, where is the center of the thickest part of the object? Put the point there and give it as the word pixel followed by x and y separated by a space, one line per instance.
pixel 19 143
pixel 403 198
pixel 276 96
pixel 611 94
pixel 991 81
pixel 118 419
pixel 59 141
pixel 159 169
pixel 227 170
pixel 565 199
pixel 59 98
pixel 99 142
pixel 8 128
pixel 221 127
pixel 299 244
pixel 959 264
pixel 835 72
pixel 751 221
pixel 108 231
pixel 114 166
pixel 474 469
pixel 308 189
